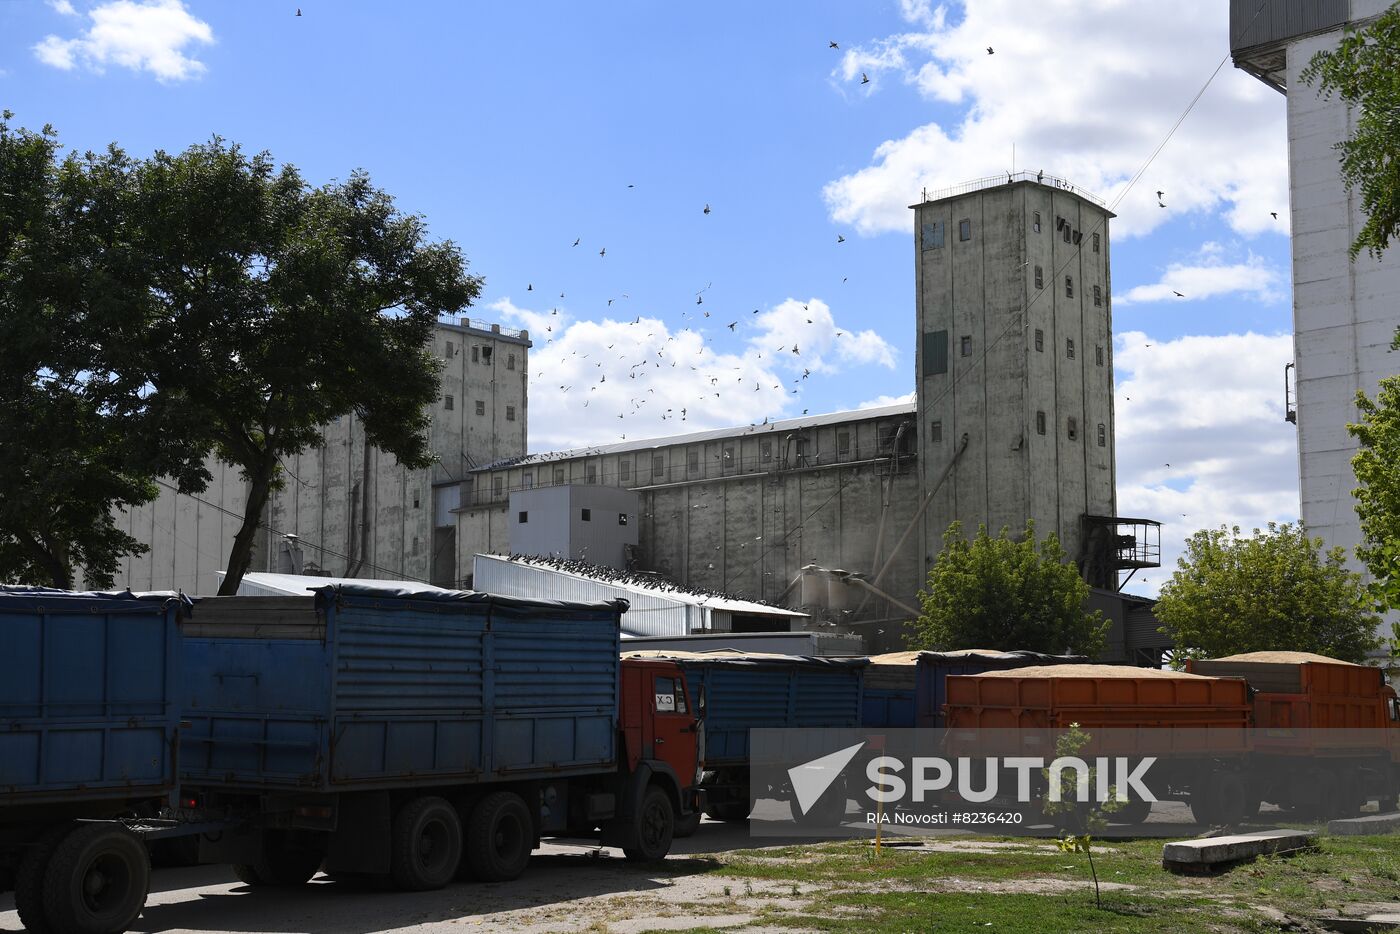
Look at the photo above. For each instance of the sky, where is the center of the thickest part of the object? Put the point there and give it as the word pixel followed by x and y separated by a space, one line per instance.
pixel 723 163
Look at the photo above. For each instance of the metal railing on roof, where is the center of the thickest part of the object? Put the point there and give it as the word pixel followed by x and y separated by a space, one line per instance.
pixel 1008 178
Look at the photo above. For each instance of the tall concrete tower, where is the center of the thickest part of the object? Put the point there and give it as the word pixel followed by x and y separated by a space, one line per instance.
pixel 1015 368
pixel 1345 312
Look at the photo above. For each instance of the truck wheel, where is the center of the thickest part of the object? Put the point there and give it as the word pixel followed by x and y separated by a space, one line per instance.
pixel 826 811
pixel 500 836
pixel 686 826
pixel 732 811
pixel 29 880
pixel 425 844
pixel 96 881
pixel 652 832
pixel 288 858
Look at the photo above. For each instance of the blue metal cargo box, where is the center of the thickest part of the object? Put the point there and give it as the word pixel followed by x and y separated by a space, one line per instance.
pixel 747 692
pixel 88 695
pixel 909 689
pixel 362 687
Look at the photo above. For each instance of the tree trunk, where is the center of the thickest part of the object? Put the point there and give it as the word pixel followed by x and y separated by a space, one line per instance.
pixel 53 560
pixel 260 487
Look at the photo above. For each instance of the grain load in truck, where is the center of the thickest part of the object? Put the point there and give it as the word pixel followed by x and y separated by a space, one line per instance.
pixel 908 689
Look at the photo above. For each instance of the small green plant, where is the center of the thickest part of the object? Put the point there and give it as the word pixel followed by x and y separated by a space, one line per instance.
pixel 1078 820
pixel 727 892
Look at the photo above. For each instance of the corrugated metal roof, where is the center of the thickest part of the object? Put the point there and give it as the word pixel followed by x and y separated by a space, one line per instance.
pixel 266 584
pixel 655 611
pixel 787 424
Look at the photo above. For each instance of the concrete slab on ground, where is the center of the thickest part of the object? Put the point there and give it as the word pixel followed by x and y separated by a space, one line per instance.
pixel 1370 824
pixel 1208 852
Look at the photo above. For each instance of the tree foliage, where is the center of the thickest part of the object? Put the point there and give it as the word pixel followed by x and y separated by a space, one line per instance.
pixel 1272 590
pixel 1377 468
pixel 280 308
pixel 80 434
pixel 154 312
pixel 1364 71
pixel 1006 593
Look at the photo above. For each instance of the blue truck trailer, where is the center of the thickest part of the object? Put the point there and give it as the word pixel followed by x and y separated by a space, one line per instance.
pixel 423 736
pixel 904 690
pixel 746 691
pixel 89 720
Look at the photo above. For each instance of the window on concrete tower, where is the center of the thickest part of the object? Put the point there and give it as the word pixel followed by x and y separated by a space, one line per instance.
pixel 1103 435
pixel 843 443
pixel 692 461
pixel 931 237
pixel 1040 423
pixel 622 518
pixel 510 413
pixel 1040 340
pixel 486 355
pixel 765 452
pixel 586 515
pixel 447 403
pixel 558 476
pixel 510 361
pixel 1098 296
pixel 1069 286
pixel 523 518
pixel 527 480
pixel 966 346
pixel 1068 232
pixel 591 473
pixel 935 432
pixel 1096 243
pixel 1039 278
pixel 498 484
pixel 476 353
pixel 658 465
pixel 1072 428
pixel 964 229
pixel 448 354
pixel 1069 347
pixel 1098 354
pixel 624 470
pixel 1035 225
pixel 480 407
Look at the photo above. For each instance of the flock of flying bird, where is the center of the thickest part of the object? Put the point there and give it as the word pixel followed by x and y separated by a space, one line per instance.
pixel 659 361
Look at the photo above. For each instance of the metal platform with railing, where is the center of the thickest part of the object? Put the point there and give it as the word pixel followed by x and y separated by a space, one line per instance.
pixel 1010 178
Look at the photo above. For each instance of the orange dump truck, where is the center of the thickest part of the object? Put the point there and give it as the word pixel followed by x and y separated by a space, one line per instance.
pixel 1195 726
pixel 1305 732
pixel 1327 732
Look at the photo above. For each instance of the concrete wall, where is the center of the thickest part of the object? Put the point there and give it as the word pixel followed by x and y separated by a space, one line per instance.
pixel 744 512
pixel 327 491
pixel 1344 313
pixel 994 358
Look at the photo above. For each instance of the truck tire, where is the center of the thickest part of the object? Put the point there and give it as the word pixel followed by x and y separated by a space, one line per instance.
pixel 731 811
pixel 827 811
pixel 97 880
pixel 288 858
pixel 425 844
pixel 651 833
pixel 686 826
pixel 500 836
pixel 29 880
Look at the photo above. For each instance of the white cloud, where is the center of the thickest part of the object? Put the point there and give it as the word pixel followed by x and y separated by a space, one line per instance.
pixel 1086 95
pixel 63 7
pixel 1201 438
pixel 1210 276
pixel 880 401
pixel 593 382
pixel 143 35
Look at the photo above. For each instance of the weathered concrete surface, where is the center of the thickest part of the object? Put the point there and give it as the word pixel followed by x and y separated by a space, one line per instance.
pixel 1360 826
pixel 1216 851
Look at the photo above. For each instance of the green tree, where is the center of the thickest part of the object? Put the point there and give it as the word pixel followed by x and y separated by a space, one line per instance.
pixel 1364 71
pixel 1377 469
pixel 78 438
pixel 1006 593
pixel 278 308
pixel 1272 590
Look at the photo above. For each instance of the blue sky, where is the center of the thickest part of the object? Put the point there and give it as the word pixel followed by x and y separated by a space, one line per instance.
pixel 517 128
